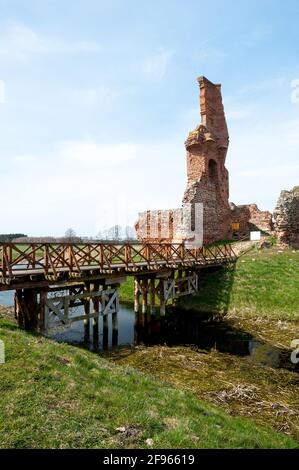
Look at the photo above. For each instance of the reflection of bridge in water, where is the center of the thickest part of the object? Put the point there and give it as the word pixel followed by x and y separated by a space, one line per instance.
pixel 52 280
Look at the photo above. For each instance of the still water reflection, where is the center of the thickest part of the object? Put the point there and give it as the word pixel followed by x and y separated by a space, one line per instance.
pixel 176 328
pixel 106 337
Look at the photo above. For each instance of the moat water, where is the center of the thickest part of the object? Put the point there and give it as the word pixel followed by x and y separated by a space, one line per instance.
pixel 176 328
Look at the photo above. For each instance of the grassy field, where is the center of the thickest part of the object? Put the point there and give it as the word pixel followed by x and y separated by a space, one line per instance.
pixel 59 396
pixel 126 291
pixel 263 284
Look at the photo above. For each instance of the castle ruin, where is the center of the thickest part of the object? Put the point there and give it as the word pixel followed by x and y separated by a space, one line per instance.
pixel 207 183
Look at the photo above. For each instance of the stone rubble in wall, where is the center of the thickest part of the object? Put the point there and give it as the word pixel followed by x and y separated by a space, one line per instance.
pixel 286 218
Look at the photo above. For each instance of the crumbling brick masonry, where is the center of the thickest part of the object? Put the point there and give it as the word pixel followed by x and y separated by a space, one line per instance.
pixel 286 218
pixel 207 183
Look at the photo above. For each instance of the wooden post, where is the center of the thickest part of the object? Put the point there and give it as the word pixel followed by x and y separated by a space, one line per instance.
pixel 173 280
pixel 105 323
pixel 18 301
pixel 144 295
pixel 162 298
pixel 86 320
pixel 114 329
pixel 152 296
pixel 96 309
pixel 30 309
pixel 43 313
pixel 105 332
pixel 136 295
pixel 179 282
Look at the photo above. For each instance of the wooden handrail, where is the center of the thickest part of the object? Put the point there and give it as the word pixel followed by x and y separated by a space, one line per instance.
pixel 19 258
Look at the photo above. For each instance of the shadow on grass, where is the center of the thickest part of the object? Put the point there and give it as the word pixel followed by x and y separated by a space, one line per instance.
pixel 213 298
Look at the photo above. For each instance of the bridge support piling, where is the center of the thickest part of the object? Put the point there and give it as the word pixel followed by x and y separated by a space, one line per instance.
pixel 86 320
pixel 161 285
pixel 144 284
pixel 145 287
pixel 152 292
pixel 27 308
pixel 43 314
pixel 136 295
pixel 114 329
pixel 105 333
pixel 18 307
pixel 96 310
pixel 162 298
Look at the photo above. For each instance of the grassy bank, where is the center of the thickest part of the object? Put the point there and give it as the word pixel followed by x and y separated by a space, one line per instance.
pixel 241 385
pixel 126 291
pixel 56 395
pixel 258 297
pixel 262 284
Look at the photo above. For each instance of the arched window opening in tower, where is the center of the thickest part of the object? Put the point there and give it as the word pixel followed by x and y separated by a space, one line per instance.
pixel 212 169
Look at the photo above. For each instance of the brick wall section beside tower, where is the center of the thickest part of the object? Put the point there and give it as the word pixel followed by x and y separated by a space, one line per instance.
pixel 286 218
pixel 251 218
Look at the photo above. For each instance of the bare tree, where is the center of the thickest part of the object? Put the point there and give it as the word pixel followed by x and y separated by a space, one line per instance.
pixel 99 235
pixel 102 235
pixel 115 232
pixel 70 235
pixel 130 233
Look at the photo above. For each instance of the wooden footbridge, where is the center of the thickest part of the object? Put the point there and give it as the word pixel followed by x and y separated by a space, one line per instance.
pixel 52 279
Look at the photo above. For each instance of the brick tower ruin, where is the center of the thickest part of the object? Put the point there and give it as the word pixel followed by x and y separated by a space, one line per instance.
pixel 207 177
pixel 207 183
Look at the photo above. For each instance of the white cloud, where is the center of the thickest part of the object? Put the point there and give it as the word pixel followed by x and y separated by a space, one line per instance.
pixel 270 171
pixel 25 159
pixel 263 160
pixel 206 52
pixel 263 86
pixel 20 42
pixel 237 114
pixel 94 96
pixel 295 92
pixel 88 186
pixel 155 66
pixel 96 155
pixel 2 91
pixel 257 34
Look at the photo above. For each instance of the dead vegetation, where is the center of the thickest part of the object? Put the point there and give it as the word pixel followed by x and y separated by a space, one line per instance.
pixel 237 383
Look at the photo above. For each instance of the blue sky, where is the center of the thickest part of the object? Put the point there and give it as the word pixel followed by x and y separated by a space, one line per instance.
pixel 100 95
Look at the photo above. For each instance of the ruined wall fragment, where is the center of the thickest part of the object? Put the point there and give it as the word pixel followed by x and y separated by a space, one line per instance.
pixel 286 218
pixel 250 218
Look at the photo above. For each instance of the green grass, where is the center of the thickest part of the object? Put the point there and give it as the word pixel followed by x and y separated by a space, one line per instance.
pixel 126 291
pixel 263 284
pixel 59 396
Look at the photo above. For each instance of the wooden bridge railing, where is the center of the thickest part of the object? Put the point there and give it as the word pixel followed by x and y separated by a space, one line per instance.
pixel 19 259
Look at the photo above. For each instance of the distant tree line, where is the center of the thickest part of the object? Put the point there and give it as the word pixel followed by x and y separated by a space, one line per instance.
pixel 9 237
pixel 117 233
